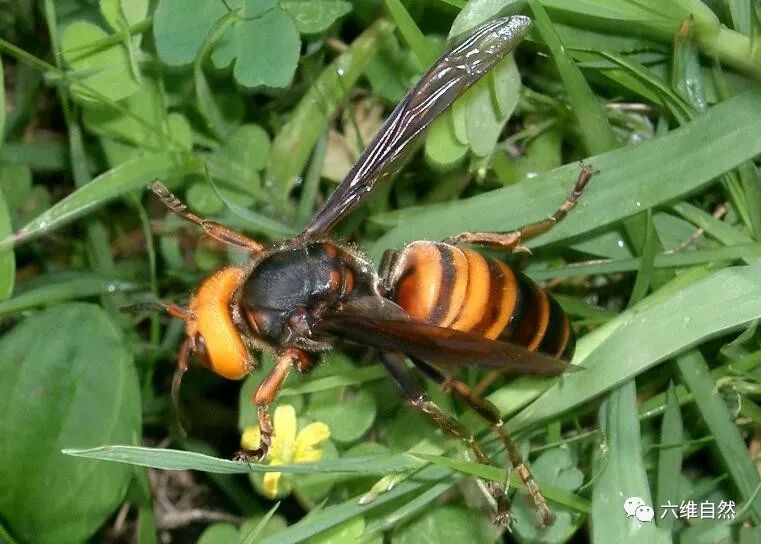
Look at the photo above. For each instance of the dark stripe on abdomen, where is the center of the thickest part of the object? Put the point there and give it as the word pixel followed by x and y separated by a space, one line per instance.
pixel 542 324
pixel 446 284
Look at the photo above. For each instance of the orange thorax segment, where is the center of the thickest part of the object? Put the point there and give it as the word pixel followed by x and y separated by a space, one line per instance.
pixel 211 320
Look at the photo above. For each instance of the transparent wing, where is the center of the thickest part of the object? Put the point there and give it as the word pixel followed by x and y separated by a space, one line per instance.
pixel 449 77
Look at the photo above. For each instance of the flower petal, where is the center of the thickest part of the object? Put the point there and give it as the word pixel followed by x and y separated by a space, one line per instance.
pixel 249 440
pixel 284 433
pixel 311 435
pixel 308 455
pixel 270 483
pixel 285 423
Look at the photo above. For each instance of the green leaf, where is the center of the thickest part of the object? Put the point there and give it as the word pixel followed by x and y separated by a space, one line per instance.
pixel 720 422
pixel 62 289
pixel 7 257
pixel 313 17
pixel 348 532
pixel 556 466
pixel 118 12
pixel 349 413
pixel 622 473
pixel 293 144
pixel 638 340
pixel 186 460
pixel 265 48
pixel 104 68
pixel 596 132
pixel 116 182
pixel 219 533
pixel 245 153
pixel 489 104
pixel 148 127
pixel 475 13
pixel 442 148
pixel 628 181
pixel 670 457
pixel 392 69
pixel 78 387
pixel 447 524
pixel 202 199
pixel 180 32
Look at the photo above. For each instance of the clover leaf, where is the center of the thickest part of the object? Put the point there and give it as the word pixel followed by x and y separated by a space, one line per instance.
pixel 95 67
pixel 260 38
pixel 180 32
pixel 314 17
pixel 264 45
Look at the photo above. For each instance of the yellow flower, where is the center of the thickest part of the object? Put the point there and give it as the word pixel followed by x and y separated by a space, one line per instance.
pixel 287 447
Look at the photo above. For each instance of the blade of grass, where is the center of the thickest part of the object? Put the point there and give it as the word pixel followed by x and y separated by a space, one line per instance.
pixel 250 538
pixel 623 473
pixel 670 260
pixel 730 443
pixel 168 459
pixel 37 155
pixel 724 233
pixel 294 143
pixel 596 132
pixel 312 181
pixel 407 510
pixel 207 104
pixel 579 308
pixel 642 338
pixel 336 514
pixel 669 458
pixel 750 181
pixel 411 32
pixel 651 244
pixel 497 474
pixel 7 257
pixel 114 183
pixel 628 181
pixel 741 13
pixel 85 285
pixel 656 404
pixel 686 76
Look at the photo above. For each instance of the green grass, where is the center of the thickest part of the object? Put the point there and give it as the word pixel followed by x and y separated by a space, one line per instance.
pixel 250 111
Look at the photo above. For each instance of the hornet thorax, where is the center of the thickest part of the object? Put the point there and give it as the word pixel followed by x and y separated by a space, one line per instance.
pixel 290 288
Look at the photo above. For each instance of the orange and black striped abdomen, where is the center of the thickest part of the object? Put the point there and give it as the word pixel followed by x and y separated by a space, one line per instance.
pixel 459 288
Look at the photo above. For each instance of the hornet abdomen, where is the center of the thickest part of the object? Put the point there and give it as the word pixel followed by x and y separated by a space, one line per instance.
pixel 459 288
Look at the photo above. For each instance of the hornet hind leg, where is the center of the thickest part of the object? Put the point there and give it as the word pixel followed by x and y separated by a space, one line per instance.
pixel 418 399
pixel 509 241
pixel 489 412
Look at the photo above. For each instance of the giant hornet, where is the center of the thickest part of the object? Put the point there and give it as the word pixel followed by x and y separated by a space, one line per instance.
pixel 440 305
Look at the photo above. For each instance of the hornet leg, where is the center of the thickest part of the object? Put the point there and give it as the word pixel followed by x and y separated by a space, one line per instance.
pixel 418 399
pixel 510 241
pixel 489 412
pixel 265 394
pixel 219 232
